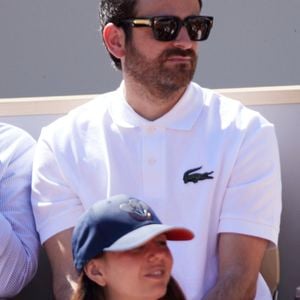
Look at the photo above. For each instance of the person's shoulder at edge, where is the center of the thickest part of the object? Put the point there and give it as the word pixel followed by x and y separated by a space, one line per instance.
pixel 84 113
pixel 11 134
pixel 16 151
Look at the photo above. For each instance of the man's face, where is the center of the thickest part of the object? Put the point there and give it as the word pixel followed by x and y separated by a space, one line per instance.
pixel 162 67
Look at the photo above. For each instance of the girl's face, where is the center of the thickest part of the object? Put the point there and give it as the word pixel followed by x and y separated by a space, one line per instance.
pixel 139 274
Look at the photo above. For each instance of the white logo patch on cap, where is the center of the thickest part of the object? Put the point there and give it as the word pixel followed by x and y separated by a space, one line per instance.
pixel 137 209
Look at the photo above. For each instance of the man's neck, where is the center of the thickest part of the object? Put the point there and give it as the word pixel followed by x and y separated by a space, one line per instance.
pixel 150 105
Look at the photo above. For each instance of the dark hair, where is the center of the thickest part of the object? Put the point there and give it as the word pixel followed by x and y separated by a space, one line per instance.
pixel 113 11
pixel 89 290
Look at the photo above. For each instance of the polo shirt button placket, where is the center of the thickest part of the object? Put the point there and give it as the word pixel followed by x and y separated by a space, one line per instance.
pixel 152 153
pixel 151 129
pixel 151 161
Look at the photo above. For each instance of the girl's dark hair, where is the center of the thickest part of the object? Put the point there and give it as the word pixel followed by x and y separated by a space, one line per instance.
pixel 113 11
pixel 174 292
pixel 89 290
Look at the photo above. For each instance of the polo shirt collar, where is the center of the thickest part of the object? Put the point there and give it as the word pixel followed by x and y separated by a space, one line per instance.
pixel 181 117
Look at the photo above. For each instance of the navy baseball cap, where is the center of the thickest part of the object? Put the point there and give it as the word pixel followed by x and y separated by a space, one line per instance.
pixel 118 223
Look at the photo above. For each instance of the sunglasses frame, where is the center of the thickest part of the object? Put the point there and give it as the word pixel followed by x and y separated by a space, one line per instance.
pixel 151 22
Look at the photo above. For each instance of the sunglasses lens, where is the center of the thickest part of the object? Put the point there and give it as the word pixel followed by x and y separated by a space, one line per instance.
pixel 198 28
pixel 165 28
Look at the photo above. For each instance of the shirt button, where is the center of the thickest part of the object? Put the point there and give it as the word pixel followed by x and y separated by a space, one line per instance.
pixel 151 161
pixel 151 129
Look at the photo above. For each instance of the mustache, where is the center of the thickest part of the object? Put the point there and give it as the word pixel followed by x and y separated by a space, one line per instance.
pixel 180 52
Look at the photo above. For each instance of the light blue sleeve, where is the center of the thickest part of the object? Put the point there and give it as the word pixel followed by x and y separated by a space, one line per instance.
pixel 19 240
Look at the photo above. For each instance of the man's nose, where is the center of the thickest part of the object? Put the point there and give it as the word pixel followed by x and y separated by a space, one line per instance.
pixel 183 40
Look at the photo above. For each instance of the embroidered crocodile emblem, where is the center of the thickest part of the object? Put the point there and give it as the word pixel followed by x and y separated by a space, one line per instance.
pixel 189 176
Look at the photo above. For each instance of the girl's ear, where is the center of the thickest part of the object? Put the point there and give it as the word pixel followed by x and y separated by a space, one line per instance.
pixel 94 271
pixel 114 39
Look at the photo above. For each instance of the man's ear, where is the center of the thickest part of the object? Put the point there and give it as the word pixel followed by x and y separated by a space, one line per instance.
pixel 94 271
pixel 114 39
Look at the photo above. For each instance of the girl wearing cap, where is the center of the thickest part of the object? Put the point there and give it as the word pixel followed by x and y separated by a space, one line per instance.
pixel 120 251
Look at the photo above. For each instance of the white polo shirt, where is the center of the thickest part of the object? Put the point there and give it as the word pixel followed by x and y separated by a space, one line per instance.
pixel 104 148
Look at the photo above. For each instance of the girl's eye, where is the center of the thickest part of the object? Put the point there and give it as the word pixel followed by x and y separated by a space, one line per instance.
pixel 162 243
pixel 138 249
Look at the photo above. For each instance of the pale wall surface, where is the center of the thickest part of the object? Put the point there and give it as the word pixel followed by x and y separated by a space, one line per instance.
pixel 53 47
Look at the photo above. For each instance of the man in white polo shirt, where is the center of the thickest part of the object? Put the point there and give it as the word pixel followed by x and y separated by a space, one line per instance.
pixel 199 159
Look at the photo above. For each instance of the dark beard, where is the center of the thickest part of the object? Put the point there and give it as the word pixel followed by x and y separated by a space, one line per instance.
pixel 160 80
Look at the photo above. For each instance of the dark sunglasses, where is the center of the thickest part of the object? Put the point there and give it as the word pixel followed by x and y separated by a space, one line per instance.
pixel 166 28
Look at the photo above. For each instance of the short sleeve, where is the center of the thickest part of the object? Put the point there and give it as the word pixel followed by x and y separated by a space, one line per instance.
pixel 55 204
pixel 252 202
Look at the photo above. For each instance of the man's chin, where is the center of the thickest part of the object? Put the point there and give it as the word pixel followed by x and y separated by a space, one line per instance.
pixel 179 77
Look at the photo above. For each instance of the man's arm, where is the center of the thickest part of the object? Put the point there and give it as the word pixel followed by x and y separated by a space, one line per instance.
pixel 59 251
pixel 240 258
pixel 56 202
pixel 19 244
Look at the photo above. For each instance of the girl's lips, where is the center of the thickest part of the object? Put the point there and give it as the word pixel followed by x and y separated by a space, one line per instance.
pixel 156 273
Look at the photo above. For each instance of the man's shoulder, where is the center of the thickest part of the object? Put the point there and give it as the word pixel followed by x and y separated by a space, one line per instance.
pixel 227 109
pixel 80 116
pixel 99 104
pixel 212 97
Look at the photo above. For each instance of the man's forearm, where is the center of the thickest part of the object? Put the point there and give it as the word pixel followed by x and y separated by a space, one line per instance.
pixel 64 287
pixel 58 249
pixel 232 287
pixel 240 259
